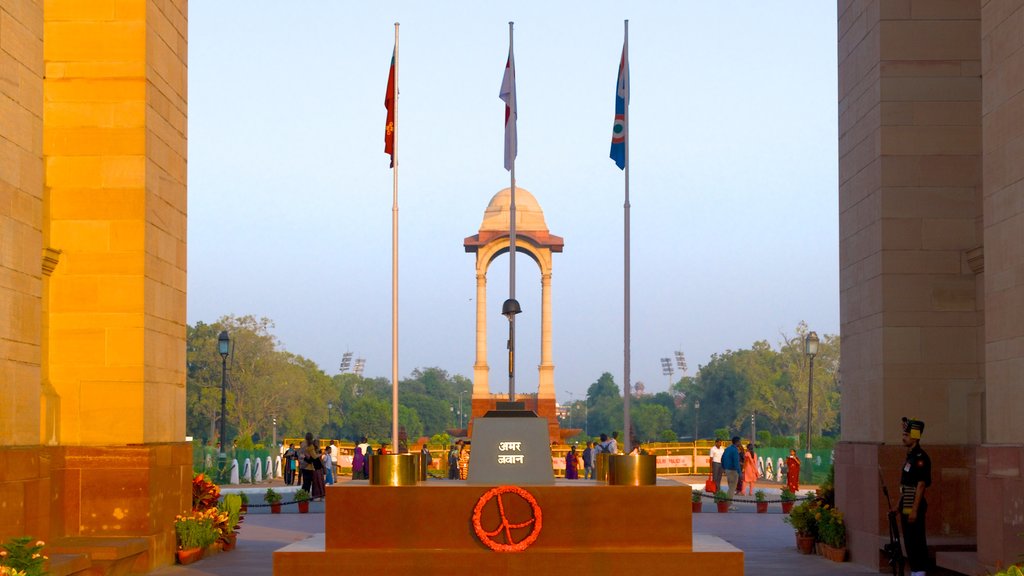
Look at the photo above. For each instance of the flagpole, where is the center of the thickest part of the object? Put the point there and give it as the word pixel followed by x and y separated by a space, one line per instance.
pixel 626 351
pixel 512 245
pixel 394 265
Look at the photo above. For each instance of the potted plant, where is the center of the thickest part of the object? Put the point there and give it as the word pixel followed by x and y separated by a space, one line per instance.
pixel 802 519
pixel 23 556
pixel 194 533
pixel 788 498
pixel 274 499
pixel 762 502
pixel 722 500
pixel 302 499
pixel 832 533
pixel 695 499
pixel 245 502
pixel 232 506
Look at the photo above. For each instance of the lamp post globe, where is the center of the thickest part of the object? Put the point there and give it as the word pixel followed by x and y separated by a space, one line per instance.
pixel 223 347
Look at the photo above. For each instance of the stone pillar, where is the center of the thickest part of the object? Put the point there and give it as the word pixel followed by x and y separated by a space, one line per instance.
pixel 909 190
pixel 480 367
pixel 546 376
pixel 24 486
pixel 1000 466
pixel 114 143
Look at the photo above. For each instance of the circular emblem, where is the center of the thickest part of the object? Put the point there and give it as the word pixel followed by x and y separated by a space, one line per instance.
pixel 501 538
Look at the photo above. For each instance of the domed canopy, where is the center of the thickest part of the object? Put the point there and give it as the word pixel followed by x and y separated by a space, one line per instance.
pixel 530 224
pixel 529 215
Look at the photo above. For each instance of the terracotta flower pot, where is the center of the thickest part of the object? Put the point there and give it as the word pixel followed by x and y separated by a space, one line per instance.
pixel 723 507
pixel 303 506
pixel 275 508
pixel 697 506
pixel 805 544
pixel 230 541
pixel 787 505
pixel 762 507
pixel 833 554
pixel 189 556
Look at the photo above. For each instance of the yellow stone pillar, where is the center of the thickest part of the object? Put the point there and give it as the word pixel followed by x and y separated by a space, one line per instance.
pixel 546 370
pixel 480 368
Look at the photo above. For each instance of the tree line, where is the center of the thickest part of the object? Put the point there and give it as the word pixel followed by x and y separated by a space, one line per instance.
pixel 767 383
pixel 266 384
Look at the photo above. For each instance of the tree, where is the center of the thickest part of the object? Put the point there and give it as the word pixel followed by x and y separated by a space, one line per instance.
pixel 649 421
pixel 604 387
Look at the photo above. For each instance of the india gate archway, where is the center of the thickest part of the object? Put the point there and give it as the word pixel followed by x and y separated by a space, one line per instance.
pixel 533 239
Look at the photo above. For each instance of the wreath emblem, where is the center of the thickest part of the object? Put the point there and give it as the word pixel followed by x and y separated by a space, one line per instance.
pixel 492 538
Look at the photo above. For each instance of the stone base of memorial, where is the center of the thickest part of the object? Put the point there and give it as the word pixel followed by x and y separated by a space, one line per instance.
pixel 499 529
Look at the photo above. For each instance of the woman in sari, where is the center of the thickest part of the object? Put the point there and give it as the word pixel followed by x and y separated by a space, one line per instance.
pixel 571 464
pixel 793 472
pixel 463 462
pixel 750 471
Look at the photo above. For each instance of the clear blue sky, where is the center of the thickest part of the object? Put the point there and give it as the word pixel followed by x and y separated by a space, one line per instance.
pixel 734 205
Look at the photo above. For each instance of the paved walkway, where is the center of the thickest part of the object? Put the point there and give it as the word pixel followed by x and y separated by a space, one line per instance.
pixel 767 542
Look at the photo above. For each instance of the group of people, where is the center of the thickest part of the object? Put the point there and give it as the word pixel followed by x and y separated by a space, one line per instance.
pixel 458 460
pixel 309 465
pixel 737 464
pixel 588 458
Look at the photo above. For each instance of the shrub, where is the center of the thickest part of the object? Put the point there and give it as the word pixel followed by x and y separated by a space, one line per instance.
pixel 205 493
pixel 831 529
pixel 759 495
pixel 22 556
pixel 244 497
pixel 271 496
pixel 721 496
pixel 232 506
pixel 696 495
pixel 802 518
pixel 195 531
pixel 787 494
pixel 301 495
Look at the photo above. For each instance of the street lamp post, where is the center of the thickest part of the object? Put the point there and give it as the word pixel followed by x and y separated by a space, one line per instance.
pixel 811 349
pixel 223 345
pixel 330 406
pixel 667 370
pixel 460 408
pixel 696 420
pixel 275 431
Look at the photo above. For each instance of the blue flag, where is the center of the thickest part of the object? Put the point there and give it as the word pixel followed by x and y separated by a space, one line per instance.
pixel 620 130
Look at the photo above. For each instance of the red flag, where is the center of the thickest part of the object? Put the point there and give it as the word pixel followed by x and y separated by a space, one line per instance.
pixel 389 103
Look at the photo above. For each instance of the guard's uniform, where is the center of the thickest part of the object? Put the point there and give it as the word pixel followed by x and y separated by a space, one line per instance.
pixel 917 468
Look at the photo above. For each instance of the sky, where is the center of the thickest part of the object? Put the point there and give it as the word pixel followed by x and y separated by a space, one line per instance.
pixel 733 178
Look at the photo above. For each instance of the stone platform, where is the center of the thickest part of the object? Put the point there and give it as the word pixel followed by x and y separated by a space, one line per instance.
pixel 586 527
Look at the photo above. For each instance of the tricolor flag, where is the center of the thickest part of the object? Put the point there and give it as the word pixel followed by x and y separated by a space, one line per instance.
pixel 508 94
pixel 389 103
pixel 620 131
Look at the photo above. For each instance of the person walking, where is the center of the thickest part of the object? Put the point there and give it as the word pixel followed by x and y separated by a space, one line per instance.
pixel 357 460
pixel 715 455
pixel 290 458
pixel 750 471
pixel 453 460
pixel 588 462
pixel 307 455
pixel 731 467
pixel 425 457
pixel 328 460
pixel 915 477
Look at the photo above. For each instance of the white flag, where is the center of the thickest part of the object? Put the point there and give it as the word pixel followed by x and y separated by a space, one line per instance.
pixel 508 94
